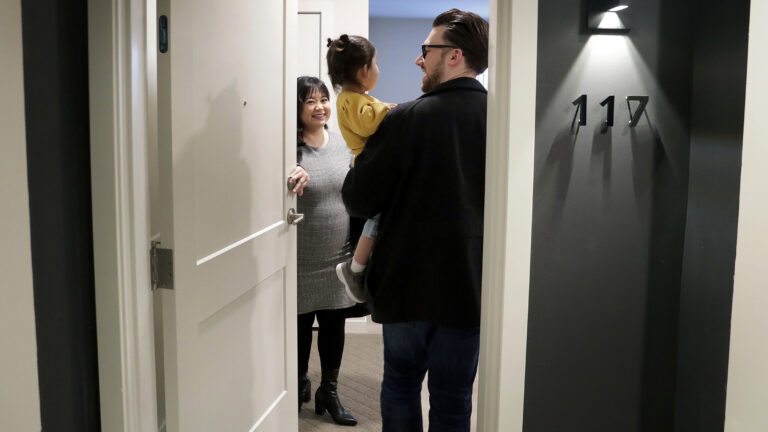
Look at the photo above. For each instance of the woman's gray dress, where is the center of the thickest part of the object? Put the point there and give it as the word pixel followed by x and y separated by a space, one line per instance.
pixel 323 235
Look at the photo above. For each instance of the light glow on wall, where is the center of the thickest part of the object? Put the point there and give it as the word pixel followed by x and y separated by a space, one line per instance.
pixel 611 20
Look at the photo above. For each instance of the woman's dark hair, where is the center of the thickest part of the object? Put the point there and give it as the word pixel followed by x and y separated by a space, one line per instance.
pixel 305 86
pixel 346 55
pixel 469 32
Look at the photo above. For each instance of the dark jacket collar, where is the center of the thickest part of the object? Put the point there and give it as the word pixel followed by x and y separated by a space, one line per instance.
pixel 462 83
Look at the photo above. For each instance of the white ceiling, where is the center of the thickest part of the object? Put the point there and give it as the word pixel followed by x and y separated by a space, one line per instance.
pixel 425 8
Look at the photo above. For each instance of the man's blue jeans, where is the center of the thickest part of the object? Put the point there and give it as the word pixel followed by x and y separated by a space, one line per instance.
pixel 450 355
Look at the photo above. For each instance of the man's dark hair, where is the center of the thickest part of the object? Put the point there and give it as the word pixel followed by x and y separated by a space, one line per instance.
pixel 346 55
pixel 469 32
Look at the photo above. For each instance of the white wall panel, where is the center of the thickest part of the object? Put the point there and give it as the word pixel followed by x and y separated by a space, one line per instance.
pixel 748 374
pixel 19 400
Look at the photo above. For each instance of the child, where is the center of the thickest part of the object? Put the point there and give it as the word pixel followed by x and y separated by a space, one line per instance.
pixel 353 71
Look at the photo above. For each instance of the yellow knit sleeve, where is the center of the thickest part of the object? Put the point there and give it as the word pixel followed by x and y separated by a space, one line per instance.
pixel 365 113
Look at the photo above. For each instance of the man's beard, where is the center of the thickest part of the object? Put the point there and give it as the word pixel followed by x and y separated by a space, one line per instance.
pixel 433 79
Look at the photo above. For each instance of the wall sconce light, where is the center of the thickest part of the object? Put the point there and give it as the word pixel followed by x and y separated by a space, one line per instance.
pixel 608 16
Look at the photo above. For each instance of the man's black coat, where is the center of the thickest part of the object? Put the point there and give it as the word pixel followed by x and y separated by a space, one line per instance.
pixel 424 172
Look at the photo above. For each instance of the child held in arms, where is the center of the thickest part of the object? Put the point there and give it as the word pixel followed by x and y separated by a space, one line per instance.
pixel 353 71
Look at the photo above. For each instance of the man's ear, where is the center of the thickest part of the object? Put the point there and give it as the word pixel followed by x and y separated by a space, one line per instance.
pixel 456 57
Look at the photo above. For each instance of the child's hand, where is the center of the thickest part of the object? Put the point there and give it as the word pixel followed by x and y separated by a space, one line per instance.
pixel 298 180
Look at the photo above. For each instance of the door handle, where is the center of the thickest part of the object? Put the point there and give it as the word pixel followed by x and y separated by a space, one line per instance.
pixel 293 217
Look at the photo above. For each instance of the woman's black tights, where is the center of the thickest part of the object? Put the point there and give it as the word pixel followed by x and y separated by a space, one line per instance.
pixel 330 338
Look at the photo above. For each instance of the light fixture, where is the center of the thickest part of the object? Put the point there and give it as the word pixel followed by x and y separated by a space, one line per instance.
pixel 608 16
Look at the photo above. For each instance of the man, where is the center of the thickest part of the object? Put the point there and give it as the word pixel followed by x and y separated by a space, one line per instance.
pixel 424 171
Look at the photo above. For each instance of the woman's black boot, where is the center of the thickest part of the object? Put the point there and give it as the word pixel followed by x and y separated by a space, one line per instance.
pixel 327 399
pixel 305 389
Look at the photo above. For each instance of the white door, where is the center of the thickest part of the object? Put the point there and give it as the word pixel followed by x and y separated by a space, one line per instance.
pixel 226 92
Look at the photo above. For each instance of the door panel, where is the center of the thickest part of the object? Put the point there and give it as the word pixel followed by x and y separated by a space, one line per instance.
pixel 232 271
pixel 233 336
pixel 227 144
pixel 236 71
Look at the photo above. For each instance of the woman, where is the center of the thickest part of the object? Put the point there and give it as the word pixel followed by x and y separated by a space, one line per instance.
pixel 323 242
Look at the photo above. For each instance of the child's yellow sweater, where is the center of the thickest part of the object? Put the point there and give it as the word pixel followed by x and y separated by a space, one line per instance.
pixel 359 116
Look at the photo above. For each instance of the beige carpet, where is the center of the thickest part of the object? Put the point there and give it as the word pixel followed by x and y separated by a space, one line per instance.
pixel 359 386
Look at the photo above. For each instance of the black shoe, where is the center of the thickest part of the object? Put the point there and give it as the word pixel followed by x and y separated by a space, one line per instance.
pixel 327 399
pixel 305 389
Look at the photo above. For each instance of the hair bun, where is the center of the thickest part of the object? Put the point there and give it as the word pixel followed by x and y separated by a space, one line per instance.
pixel 339 44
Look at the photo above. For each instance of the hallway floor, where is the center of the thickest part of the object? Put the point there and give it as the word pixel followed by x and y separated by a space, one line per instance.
pixel 359 386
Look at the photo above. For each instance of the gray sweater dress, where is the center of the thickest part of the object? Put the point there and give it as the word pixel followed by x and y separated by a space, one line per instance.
pixel 323 235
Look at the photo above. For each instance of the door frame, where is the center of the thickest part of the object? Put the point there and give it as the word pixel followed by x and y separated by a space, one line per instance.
pixel 747 376
pixel 119 135
pixel 118 117
pixel 19 395
pixel 508 213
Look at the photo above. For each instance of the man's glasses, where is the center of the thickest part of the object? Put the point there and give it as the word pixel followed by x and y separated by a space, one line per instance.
pixel 424 49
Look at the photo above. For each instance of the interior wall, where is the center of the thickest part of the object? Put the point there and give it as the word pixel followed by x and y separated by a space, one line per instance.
pixel 720 62
pixel 398 44
pixel 19 396
pixel 609 218
pixel 339 16
pixel 58 158
pixel 748 374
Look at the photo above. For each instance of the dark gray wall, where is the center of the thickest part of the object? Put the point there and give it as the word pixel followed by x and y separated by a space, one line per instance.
pixel 58 164
pixel 609 219
pixel 720 62
pixel 635 228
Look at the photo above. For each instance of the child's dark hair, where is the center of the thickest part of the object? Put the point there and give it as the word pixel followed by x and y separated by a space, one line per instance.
pixel 305 86
pixel 346 55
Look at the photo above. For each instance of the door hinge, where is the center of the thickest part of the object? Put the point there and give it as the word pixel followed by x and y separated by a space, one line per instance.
pixel 161 267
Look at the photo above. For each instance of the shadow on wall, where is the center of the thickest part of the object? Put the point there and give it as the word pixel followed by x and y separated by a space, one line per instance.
pixel 671 59
pixel 560 163
pixel 601 162
pixel 721 40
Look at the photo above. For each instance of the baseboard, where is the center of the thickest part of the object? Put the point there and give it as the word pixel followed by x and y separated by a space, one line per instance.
pixel 362 325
